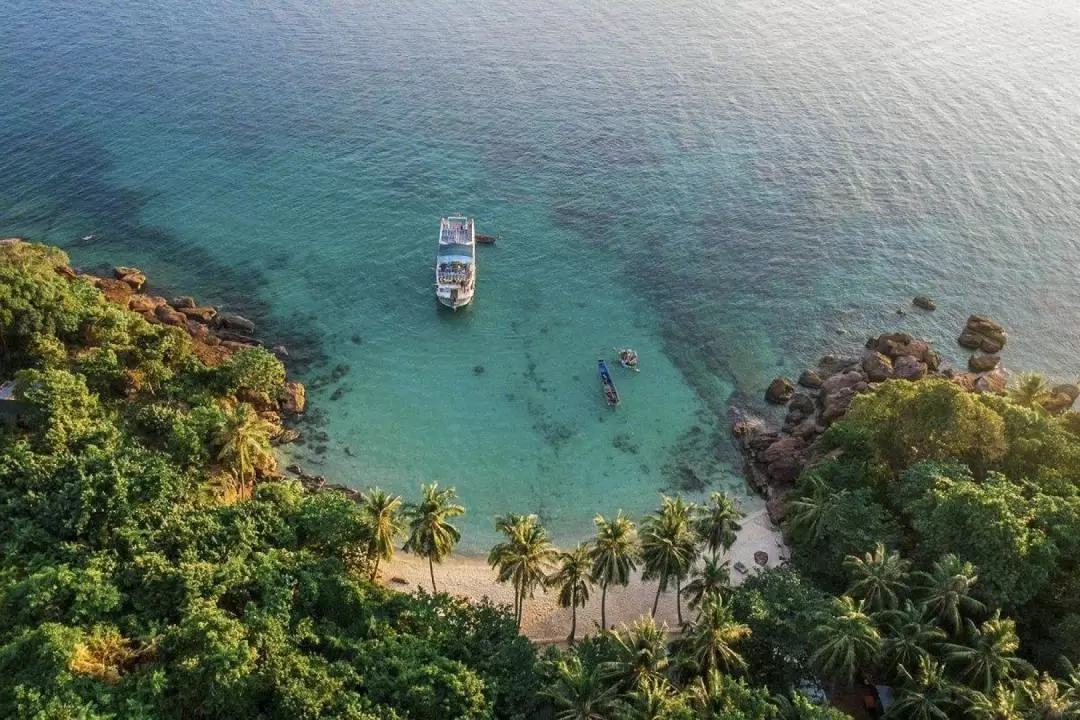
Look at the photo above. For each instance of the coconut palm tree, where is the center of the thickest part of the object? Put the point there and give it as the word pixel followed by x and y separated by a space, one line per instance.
pixel 806 516
pixel 381 513
pixel 989 655
pixel 573 581
pixel 653 698
pixel 708 643
pixel 925 695
pixel 431 536
pixel 1029 390
pixel 1043 698
pixel 908 637
pixel 642 651
pixel 581 695
pixel 614 556
pixel 711 579
pixel 846 642
pixel 669 547
pixel 880 578
pixel 524 558
pixel 946 590
pixel 718 522
pixel 245 443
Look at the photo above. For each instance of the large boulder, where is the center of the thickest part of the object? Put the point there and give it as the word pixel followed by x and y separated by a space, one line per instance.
pixel 836 404
pixel 810 379
pixel 292 398
pixel 830 365
pixel 991 382
pixel 1058 402
pixel 982 333
pixel 897 345
pixel 983 363
pixel 131 276
pixel 966 381
pixel 907 367
pixel 145 303
pixel 1066 389
pixel 779 391
pixel 184 301
pixel 168 316
pixel 234 323
pixel 116 291
pixel 924 302
pixel 785 470
pixel 780 448
pixel 199 314
pixel 848 379
pixel 877 366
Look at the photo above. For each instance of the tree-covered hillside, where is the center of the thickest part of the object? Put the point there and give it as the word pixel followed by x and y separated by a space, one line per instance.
pixel 152 564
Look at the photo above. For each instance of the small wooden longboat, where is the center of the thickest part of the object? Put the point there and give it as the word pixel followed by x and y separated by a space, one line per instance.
pixel 610 393
pixel 486 239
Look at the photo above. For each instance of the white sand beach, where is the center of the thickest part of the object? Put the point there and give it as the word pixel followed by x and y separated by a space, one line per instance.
pixel 545 621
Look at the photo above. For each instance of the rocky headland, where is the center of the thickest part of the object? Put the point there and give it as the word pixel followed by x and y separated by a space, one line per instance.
pixel 775 455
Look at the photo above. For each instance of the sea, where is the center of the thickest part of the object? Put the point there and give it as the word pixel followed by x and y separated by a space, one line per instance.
pixel 733 188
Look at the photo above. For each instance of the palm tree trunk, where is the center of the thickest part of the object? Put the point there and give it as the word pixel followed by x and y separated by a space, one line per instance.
pixel 656 601
pixel 678 600
pixel 375 570
pixel 573 622
pixel 603 606
pixel 519 606
pixel 431 569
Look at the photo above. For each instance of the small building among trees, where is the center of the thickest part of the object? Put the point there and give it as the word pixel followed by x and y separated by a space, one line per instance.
pixel 10 407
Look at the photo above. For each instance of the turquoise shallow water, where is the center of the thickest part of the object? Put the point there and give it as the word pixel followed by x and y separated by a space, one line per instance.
pixel 731 188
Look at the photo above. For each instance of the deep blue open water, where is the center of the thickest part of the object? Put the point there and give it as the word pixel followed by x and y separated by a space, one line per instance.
pixel 732 188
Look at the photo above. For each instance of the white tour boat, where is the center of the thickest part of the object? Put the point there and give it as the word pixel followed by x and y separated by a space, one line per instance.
pixel 455 266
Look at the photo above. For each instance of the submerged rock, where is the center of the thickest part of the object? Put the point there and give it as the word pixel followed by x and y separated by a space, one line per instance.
pixel 924 302
pixel 235 323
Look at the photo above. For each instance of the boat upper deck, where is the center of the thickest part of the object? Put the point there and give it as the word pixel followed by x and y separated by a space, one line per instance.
pixel 457 231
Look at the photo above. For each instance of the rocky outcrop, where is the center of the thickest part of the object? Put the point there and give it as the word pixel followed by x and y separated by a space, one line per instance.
pixel 810 379
pixel 181 302
pixel 779 391
pixel 924 302
pixel 983 363
pixel 991 382
pixel 145 303
pixel 234 323
pixel 168 316
pixel 983 334
pixel 1061 398
pixel 293 398
pixel 898 345
pixel 133 277
pixel 877 366
pixel 199 314
pixel 115 291
pixel 907 367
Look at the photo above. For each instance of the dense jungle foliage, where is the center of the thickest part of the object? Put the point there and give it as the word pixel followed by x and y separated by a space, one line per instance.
pixel 149 568
pixel 153 564
pixel 950 523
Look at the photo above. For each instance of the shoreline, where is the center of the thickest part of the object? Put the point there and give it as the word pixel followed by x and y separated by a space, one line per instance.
pixel 470 577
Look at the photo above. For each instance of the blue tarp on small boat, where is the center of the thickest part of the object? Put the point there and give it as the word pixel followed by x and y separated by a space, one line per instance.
pixel 610 393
